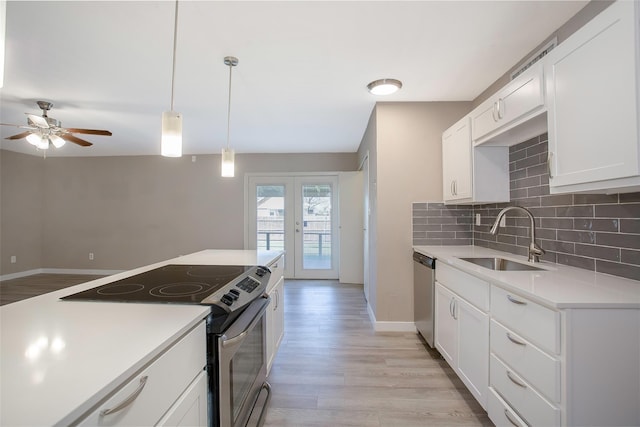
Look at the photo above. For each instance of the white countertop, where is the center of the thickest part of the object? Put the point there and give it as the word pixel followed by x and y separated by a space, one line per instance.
pixel 59 358
pixel 557 286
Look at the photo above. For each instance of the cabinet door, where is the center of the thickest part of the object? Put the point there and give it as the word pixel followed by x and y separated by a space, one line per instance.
pixel 278 315
pixel 457 166
pixel 191 408
pixel 473 349
pixel 592 91
pixel 517 102
pixel 446 332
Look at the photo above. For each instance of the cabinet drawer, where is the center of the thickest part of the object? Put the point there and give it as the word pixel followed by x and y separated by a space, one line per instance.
pixel 533 408
pixel 471 288
pixel 277 271
pixel 534 322
pixel 501 413
pixel 535 366
pixel 166 379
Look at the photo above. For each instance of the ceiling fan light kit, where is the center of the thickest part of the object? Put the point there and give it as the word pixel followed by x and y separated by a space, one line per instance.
pixel 227 169
pixel 44 131
pixel 171 142
pixel 384 86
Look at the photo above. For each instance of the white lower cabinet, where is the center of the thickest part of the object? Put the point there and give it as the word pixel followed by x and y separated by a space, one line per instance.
pixel 191 408
pixel 162 388
pixel 462 329
pixel 530 364
pixel 275 311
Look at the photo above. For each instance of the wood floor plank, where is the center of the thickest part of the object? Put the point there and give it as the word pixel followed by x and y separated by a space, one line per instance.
pixel 333 369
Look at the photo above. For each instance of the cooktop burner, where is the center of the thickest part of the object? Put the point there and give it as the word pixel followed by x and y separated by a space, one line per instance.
pixel 172 283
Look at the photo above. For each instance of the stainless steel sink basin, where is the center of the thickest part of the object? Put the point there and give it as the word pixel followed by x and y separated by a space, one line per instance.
pixel 501 264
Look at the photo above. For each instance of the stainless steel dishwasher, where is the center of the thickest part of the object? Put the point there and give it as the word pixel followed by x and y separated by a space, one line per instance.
pixel 424 269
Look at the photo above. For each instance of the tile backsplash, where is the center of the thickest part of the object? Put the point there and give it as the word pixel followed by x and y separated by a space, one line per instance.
pixel 592 231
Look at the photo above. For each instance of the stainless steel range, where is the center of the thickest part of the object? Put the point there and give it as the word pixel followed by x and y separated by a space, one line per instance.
pixel 236 334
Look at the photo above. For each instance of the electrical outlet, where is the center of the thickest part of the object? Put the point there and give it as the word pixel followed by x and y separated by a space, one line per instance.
pixel 477 219
pixel 503 221
pixel 90 256
pixel 13 259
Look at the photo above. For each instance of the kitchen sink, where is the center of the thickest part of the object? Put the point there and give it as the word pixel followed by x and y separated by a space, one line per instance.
pixel 501 264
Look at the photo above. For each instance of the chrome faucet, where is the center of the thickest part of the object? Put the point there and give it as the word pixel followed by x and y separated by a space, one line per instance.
pixel 535 251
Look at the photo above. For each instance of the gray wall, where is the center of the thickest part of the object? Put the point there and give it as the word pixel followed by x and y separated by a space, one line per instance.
pixel 132 211
pixel 21 206
pixel 406 165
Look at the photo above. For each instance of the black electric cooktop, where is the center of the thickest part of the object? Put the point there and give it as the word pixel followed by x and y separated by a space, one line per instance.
pixel 175 283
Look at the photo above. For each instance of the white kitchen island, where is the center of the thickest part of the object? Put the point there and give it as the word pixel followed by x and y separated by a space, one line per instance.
pixel 60 359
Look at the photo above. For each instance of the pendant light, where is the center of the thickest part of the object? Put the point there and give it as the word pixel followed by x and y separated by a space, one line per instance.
pixel 171 143
pixel 228 155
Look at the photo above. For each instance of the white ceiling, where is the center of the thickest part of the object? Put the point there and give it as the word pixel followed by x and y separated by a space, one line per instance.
pixel 300 85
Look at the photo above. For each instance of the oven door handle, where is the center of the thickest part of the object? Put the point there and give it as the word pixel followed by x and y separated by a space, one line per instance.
pixel 245 322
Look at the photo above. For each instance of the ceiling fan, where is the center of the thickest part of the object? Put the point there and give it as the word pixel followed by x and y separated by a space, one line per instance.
pixel 44 131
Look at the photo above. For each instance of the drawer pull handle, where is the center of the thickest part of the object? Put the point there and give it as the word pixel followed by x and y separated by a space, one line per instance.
pixel 515 341
pixel 515 381
pixel 515 301
pixel 128 401
pixel 509 417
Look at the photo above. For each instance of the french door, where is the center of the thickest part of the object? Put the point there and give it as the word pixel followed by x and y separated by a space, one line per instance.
pixel 297 214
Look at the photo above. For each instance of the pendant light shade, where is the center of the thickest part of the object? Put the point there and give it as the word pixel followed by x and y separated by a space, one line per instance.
pixel 228 160
pixel 227 169
pixel 171 145
pixel 171 142
pixel 57 141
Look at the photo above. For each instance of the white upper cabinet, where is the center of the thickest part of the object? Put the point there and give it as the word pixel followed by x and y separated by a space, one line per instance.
pixel 506 118
pixel 457 164
pixel 472 174
pixel 592 88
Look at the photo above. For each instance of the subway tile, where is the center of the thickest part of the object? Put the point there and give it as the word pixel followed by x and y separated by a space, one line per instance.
pixel 421 241
pixel 532 181
pixel 550 257
pixel 525 145
pixel 630 226
pixel 529 202
pixel 547 233
pixel 441 235
pixel 619 240
pixel 527 162
pixel 464 234
pixel 537 149
pixel 575 211
pixel 519 193
pixel 557 223
pixel 576 261
pixel 626 210
pixel 544 179
pixel 505 238
pixel 453 242
pixel 419 212
pixel 430 227
pixel 516 174
pixel 555 246
pixel 577 236
pixel 464 220
pixel 629 256
pixel 518 154
pixel 601 252
pixel 592 199
pixel 537 170
pixel 419 206
pixel 419 220
pixel 419 234
pixel 456 227
pixel 541 190
pixel 617 269
pixel 544 137
pixel 629 197
pixel 557 200
pixel 543 212
pixel 596 224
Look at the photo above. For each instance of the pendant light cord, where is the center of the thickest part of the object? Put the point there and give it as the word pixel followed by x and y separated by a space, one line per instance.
pixel 175 44
pixel 229 105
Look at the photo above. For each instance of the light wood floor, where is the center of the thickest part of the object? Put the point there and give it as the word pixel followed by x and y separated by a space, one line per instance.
pixel 30 286
pixel 332 369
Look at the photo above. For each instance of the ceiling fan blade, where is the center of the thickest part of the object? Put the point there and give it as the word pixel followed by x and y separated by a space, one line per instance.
pixel 76 140
pixel 20 135
pixel 41 122
pixel 89 131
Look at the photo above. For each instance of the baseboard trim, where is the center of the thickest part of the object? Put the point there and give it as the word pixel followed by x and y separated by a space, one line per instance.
pixel 395 327
pixel 58 271
pixel 389 326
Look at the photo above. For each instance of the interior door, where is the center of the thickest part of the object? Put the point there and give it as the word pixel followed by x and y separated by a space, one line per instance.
pixel 297 214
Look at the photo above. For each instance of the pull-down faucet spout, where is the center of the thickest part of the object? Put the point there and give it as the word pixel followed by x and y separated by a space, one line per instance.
pixel 535 251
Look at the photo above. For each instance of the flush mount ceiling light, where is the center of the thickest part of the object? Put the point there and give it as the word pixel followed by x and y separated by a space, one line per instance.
pixel 171 143
pixel 228 155
pixel 384 86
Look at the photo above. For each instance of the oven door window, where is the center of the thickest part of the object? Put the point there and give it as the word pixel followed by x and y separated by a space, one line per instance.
pixel 245 367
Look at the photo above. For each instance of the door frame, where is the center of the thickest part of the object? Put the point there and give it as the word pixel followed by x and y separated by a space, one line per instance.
pixel 249 231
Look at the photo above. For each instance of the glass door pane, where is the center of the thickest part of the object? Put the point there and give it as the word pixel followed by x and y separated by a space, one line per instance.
pixel 270 209
pixel 316 218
